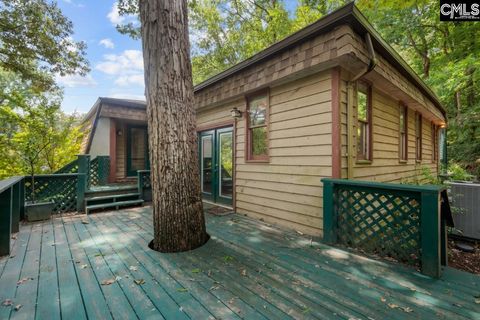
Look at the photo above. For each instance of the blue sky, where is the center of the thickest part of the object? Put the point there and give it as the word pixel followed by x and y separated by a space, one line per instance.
pixel 116 60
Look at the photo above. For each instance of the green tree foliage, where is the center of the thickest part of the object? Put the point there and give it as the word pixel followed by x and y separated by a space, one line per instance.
pixel 35 135
pixel 36 42
pixel 446 56
pixel 35 46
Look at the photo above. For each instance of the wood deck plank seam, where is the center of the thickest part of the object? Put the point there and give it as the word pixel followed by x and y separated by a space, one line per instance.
pixel 393 293
pixel 146 240
pixel 125 265
pixel 213 293
pixel 166 272
pixel 112 287
pixel 71 232
pixel 144 272
pixel 326 296
pixel 20 273
pixel 407 273
pixel 248 288
pixel 59 222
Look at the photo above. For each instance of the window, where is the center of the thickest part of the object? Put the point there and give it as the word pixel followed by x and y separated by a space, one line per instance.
pixel 257 127
pixel 418 136
pixel 434 143
pixel 403 143
pixel 364 118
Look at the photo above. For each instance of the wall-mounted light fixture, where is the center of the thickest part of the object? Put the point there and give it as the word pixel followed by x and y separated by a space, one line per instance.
pixel 119 132
pixel 236 114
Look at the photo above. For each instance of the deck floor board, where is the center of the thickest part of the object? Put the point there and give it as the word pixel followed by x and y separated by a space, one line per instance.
pixel 247 270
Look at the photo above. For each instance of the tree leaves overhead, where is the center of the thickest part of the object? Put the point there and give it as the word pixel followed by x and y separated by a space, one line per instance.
pixel 36 42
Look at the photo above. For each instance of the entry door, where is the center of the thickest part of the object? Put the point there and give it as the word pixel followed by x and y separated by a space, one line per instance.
pixel 216 165
pixel 137 149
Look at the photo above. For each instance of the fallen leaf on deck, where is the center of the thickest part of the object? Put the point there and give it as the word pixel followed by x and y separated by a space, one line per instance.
pixel 18 307
pixel 11 257
pixel 7 302
pixel 213 288
pixel 300 232
pixel 118 278
pixel 19 282
pixel 14 236
pixel 244 272
pixel 182 289
pixel 383 299
pixel 85 222
pixel 133 268
pixel 196 270
pixel 84 266
pixel 227 258
pixel 98 255
pixel 407 309
pixel 392 305
pixel 107 282
pixel 477 300
pixel 139 281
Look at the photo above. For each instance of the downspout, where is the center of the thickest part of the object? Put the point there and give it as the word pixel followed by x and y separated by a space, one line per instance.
pixel 350 87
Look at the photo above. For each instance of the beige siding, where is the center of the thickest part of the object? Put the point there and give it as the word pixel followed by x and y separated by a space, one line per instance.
pixel 386 166
pixel 286 190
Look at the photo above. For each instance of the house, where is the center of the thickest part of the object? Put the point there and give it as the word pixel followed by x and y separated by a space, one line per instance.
pixel 331 100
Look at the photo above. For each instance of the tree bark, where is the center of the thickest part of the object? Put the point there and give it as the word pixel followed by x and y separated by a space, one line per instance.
pixel 178 219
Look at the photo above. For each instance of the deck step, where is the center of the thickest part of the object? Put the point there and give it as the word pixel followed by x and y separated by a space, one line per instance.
pixel 113 205
pixel 112 197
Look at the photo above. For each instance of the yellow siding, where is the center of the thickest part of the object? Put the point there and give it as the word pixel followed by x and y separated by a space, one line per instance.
pixel 287 190
pixel 386 166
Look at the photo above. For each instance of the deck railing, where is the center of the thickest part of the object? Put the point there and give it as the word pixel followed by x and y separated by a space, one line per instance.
pixel 391 220
pixel 12 210
pixel 144 184
pixel 67 190
pixel 99 170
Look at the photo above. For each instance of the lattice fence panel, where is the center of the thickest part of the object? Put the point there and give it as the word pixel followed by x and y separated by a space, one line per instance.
pixel 61 188
pixel 71 167
pixel 99 171
pixel 379 222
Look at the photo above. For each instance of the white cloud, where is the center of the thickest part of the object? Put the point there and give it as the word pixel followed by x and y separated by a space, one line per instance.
pixel 114 16
pixel 135 79
pixel 107 43
pixel 126 68
pixel 75 80
pixel 128 62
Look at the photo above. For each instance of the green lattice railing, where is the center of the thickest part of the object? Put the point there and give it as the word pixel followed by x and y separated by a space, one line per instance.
pixel 144 184
pixel 99 170
pixel 390 220
pixel 71 167
pixel 66 190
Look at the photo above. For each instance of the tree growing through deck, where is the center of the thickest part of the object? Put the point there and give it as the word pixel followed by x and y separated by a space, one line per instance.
pixel 178 219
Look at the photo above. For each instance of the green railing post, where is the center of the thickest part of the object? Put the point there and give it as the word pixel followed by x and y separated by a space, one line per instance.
pixel 430 231
pixel 81 188
pixel 103 169
pixel 22 199
pixel 5 221
pixel 16 207
pixel 140 182
pixel 84 164
pixel 329 214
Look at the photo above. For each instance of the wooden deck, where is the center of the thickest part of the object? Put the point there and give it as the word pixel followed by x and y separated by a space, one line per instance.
pixel 247 270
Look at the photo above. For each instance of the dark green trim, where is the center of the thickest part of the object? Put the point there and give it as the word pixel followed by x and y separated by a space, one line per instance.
pixel 81 188
pixel 128 171
pixel 5 220
pixel 214 196
pixel 389 186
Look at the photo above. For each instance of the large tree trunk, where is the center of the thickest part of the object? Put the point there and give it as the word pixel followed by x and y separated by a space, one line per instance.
pixel 178 219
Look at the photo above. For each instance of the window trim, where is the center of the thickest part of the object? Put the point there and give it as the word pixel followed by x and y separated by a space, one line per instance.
pixel 434 129
pixel 248 142
pixel 404 159
pixel 418 137
pixel 369 92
